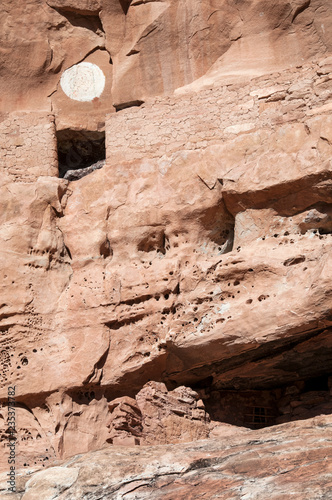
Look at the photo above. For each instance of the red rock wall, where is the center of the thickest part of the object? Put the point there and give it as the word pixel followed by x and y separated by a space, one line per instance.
pixel 199 255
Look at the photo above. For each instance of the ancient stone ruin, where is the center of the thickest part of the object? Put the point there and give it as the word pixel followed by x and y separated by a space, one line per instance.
pixel 165 248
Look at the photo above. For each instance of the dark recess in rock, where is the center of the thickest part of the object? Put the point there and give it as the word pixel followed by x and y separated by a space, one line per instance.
pixel 80 153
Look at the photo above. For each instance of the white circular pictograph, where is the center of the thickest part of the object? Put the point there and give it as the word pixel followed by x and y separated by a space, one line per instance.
pixel 83 82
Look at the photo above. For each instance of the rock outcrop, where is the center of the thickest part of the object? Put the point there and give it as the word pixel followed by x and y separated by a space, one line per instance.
pixel 179 269
pixel 148 48
pixel 157 416
pixel 166 269
pixel 290 461
pixel 76 174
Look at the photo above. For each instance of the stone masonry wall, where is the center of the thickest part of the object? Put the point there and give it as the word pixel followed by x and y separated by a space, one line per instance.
pixel 165 125
pixel 28 147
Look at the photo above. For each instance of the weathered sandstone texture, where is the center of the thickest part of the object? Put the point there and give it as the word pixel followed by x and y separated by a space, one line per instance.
pixel 157 416
pixel 207 267
pixel 289 461
pixel 148 48
pixel 165 270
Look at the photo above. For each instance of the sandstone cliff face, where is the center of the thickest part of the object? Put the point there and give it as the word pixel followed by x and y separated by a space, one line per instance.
pixel 148 47
pixel 165 270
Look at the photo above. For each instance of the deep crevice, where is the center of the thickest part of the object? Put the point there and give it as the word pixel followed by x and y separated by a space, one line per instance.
pixel 117 324
pixel 300 9
pixel 129 104
pixel 82 19
pixel 137 300
pixel 282 355
pixel 125 4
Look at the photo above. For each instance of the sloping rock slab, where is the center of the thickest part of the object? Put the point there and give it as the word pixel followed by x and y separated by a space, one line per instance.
pixel 289 461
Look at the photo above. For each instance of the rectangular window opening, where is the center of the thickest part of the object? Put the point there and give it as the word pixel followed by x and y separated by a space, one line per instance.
pixel 80 152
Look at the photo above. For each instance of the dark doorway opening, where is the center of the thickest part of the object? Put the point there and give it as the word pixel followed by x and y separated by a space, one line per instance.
pixel 317 384
pixel 258 408
pixel 80 152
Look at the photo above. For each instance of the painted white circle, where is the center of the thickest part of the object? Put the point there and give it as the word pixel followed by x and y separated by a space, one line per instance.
pixel 83 82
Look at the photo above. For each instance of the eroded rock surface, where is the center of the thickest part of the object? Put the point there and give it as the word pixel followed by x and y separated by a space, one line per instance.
pixel 157 416
pixel 148 48
pixel 180 269
pixel 184 269
pixel 290 461
pixel 183 290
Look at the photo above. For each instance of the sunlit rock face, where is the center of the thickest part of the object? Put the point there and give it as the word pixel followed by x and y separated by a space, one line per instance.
pixel 148 48
pixel 228 466
pixel 165 227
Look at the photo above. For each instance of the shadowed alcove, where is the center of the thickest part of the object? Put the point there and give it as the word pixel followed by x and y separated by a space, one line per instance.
pixel 80 152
